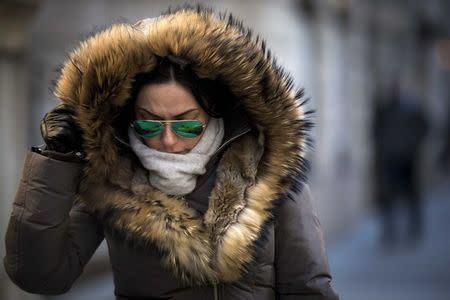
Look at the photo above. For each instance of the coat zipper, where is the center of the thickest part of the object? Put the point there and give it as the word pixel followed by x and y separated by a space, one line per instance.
pixel 232 139
pixel 229 141
pixel 216 292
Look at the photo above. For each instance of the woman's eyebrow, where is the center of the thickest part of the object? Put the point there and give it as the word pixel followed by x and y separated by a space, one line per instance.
pixel 177 116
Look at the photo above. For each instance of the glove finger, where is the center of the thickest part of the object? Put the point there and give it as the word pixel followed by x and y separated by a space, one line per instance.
pixel 55 117
pixel 63 109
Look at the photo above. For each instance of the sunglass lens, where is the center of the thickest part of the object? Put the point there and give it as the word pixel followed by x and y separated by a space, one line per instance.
pixel 188 129
pixel 147 129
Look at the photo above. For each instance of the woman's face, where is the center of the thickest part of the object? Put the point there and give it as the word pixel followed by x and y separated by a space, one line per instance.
pixel 169 101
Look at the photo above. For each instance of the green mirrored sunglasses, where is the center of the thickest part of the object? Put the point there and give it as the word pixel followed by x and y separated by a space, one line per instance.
pixel 183 128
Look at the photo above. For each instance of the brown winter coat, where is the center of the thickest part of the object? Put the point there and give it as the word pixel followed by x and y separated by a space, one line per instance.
pixel 247 231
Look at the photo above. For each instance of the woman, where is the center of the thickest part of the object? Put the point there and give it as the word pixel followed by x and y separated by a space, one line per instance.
pixel 182 143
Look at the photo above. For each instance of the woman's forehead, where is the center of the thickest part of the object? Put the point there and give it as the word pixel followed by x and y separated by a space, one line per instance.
pixel 171 95
pixel 166 100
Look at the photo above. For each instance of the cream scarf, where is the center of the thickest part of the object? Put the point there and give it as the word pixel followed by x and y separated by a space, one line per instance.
pixel 176 174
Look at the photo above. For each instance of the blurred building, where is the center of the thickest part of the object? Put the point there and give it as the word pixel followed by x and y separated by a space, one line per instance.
pixel 341 51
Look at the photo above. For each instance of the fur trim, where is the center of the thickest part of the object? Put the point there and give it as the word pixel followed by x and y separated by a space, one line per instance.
pixel 254 173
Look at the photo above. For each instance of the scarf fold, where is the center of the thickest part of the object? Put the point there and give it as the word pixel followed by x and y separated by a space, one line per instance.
pixel 176 174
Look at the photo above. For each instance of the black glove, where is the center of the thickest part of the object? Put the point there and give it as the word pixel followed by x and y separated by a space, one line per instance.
pixel 60 131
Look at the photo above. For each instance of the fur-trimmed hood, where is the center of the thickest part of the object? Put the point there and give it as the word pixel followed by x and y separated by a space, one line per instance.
pixel 254 174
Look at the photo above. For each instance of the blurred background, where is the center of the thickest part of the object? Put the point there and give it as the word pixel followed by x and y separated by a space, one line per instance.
pixel 377 72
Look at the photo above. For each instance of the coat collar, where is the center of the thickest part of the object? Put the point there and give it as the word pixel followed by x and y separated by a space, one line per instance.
pixel 254 173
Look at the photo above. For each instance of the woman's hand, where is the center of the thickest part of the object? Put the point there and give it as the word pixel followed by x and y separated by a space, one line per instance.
pixel 60 131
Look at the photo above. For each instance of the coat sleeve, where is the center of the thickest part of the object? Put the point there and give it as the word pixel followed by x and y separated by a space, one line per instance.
pixel 301 264
pixel 49 239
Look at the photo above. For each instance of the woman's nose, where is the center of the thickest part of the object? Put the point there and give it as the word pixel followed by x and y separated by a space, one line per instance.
pixel 168 137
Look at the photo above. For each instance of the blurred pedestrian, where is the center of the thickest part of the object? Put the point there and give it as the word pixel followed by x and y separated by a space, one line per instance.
pixel 399 131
